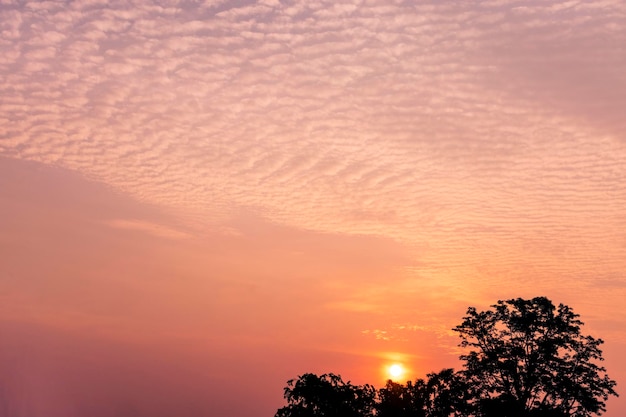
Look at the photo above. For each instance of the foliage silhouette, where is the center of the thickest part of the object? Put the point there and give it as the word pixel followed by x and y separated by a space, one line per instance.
pixel 530 358
pixel 527 358
pixel 441 395
pixel 326 396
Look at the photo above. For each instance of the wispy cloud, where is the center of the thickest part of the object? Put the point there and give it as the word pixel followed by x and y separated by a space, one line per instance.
pixel 182 104
pixel 149 228
pixel 466 130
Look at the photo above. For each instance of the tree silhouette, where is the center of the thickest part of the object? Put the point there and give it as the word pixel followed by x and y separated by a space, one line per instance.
pixel 526 358
pixel 326 396
pixel 441 395
pixel 397 400
pixel 529 358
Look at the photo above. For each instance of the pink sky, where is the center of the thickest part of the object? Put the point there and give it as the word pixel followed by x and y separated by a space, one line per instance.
pixel 200 200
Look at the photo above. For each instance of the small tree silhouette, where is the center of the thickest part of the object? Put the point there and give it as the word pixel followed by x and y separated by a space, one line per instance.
pixel 441 395
pixel 326 396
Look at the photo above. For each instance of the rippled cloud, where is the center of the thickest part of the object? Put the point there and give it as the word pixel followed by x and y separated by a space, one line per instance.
pixel 482 134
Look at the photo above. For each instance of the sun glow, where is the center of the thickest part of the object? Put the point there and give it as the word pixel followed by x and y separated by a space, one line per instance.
pixel 396 371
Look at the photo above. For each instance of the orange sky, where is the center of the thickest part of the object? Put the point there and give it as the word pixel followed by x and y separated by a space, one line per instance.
pixel 200 200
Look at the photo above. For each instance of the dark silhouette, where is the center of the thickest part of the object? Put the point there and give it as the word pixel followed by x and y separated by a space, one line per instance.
pixel 327 396
pixel 441 395
pixel 527 358
pixel 397 400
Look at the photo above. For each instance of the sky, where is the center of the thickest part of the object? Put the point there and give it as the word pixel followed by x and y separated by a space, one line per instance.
pixel 200 200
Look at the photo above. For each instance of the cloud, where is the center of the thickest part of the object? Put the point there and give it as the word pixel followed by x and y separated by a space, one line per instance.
pixel 470 131
pixel 149 228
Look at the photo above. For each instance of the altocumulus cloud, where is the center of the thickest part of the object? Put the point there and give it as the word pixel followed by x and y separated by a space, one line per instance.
pixel 455 127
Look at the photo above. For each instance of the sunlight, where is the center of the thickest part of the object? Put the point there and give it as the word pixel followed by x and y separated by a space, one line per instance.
pixel 396 371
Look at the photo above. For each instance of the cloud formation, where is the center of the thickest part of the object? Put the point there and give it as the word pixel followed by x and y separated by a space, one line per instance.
pixel 149 228
pixel 463 130
pixel 272 98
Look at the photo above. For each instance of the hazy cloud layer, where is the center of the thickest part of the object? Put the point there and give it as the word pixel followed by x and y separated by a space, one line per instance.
pixel 464 129
pixel 484 134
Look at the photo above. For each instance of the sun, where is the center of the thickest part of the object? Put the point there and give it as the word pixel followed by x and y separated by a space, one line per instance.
pixel 396 371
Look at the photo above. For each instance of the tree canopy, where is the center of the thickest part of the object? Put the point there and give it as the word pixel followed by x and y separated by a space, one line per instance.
pixel 326 396
pixel 440 395
pixel 525 358
pixel 529 357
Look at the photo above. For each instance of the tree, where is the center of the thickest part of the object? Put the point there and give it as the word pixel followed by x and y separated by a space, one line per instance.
pixel 529 358
pixel 441 395
pixel 526 358
pixel 326 396
pixel 397 400
pixel 446 394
